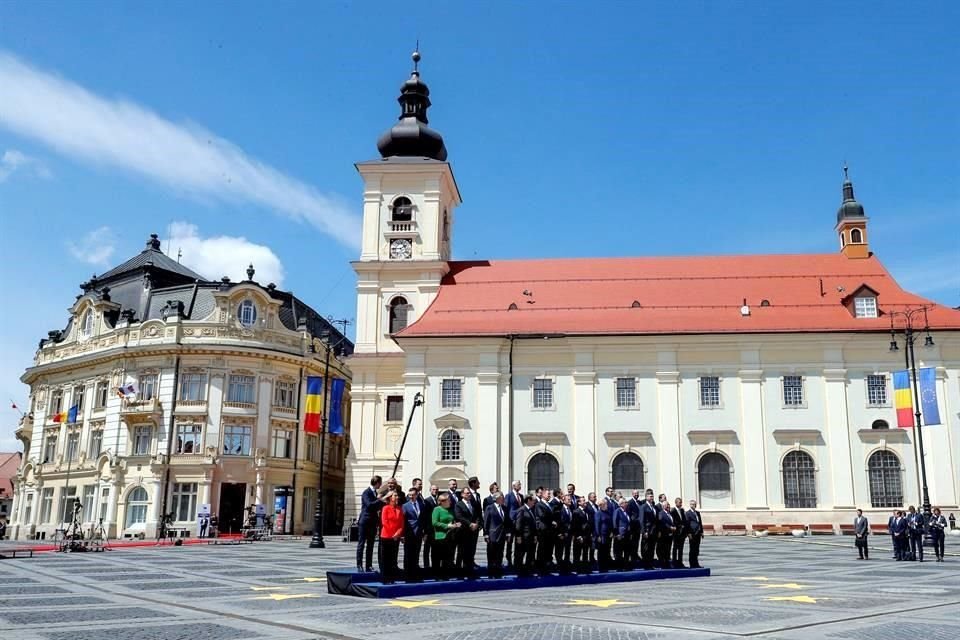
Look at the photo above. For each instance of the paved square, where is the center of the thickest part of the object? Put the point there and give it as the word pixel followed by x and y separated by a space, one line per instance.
pixel 761 587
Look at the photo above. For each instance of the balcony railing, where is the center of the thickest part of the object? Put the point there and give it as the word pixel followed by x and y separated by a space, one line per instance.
pixel 140 407
pixel 240 405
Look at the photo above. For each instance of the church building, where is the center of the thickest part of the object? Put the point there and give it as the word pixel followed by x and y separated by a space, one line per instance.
pixel 760 385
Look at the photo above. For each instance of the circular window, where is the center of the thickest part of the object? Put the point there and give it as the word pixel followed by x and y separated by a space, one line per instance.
pixel 247 314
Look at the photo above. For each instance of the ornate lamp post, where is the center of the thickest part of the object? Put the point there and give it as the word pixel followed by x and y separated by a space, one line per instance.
pixel 908 317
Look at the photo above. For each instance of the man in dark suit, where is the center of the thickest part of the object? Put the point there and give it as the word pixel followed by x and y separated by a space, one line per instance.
pixel 393 485
pixel 648 531
pixel 915 527
pixel 695 530
pixel 581 533
pixel 900 533
pixel 893 538
pixel 665 537
pixel 546 532
pixel 634 509
pixel 368 523
pixel 495 527
pixel 564 535
pixel 429 504
pixel 621 536
pixel 413 525
pixel 590 509
pixel 513 501
pixel 603 532
pixel 679 533
pixel 453 491
pixel 525 536
pixel 861 529
pixel 572 492
pixel 468 514
pixel 490 499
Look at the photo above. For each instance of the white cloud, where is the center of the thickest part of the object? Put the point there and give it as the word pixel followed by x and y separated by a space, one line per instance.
pixel 13 160
pixel 121 133
pixel 95 247
pixel 218 256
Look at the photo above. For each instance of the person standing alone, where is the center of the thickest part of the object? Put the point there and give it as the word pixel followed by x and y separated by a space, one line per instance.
pixel 861 529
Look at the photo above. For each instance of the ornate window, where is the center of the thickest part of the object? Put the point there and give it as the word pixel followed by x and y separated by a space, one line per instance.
pixel 313 448
pixel 237 439
pixel 394 408
pixel 451 393
pixel 450 445
pixel 89 495
pixel 543 470
pixel 193 387
pixel 713 474
pixel 399 312
pixel 626 393
pixel 877 390
pixel 189 438
pixel 50 446
pixel 709 391
pixel 240 389
pixel 402 210
pixel 137 503
pixel 799 481
pixel 627 472
pixel 865 307
pixel 543 393
pixel 247 313
pixel 284 394
pixel 68 496
pixel 100 395
pixel 142 439
pixel 46 504
pixel 184 501
pixel 147 388
pixel 886 486
pixel 56 402
pixel 96 443
pixel 86 324
pixel 793 391
pixel 77 399
pixel 280 443
pixel 73 446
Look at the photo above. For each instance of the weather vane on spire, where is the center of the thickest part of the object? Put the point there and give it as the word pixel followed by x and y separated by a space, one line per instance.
pixel 416 57
pixel 846 175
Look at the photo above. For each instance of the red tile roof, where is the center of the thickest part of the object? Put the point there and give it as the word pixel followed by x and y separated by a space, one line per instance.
pixel 676 295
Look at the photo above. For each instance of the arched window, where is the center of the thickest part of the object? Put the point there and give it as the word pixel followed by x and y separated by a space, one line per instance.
pixel 713 474
pixel 799 481
pixel 543 471
pixel 247 313
pixel 86 325
pixel 402 210
pixel 886 488
pixel 856 236
pixel 843 239
pixel 450 445
pixel 398 313
pixel 137 507
pixel 627 472
pixel 880 424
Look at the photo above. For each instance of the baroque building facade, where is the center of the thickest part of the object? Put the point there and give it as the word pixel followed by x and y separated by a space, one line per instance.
pixel 758 384
pixel 167 392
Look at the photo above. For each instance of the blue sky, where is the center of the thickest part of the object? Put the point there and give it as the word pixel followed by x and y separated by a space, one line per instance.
pixel 585 129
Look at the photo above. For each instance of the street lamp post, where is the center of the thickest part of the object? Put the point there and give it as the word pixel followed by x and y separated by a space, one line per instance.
pixel 910 336
pixel 316 541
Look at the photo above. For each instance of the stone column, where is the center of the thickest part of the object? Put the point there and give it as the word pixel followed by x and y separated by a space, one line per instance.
pixel 753 431
pixel 838 435
pixel 669 458
pixel 485 434
pixel 938 450
pixel 414 381
pixel 584 445
pixel 113 499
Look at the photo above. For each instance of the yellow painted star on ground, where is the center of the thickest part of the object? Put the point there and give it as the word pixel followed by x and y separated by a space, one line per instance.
pixel 412 604
pixel 312 579
pixel 598 603
pixel 803 599
pixel 269 588
pixel 286 596
pixel 762 578
pixel 785 585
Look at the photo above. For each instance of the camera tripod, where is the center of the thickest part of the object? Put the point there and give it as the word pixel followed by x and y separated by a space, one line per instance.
pixel 72 539
pixel 98 537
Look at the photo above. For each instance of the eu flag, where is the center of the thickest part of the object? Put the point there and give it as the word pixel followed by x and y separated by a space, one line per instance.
pixel 928 396
pixel 336 402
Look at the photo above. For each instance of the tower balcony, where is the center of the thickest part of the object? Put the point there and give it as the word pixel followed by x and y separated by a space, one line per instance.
pixel 401 228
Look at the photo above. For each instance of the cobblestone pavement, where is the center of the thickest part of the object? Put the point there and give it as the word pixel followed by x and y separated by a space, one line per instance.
pixel 766 588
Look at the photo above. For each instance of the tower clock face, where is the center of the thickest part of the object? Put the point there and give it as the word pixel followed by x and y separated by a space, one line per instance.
pixel 401 249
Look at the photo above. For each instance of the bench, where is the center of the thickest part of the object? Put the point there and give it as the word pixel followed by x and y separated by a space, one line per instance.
pixel 13 553
pixel 820 529
pixel 778 529
pixel 734 529
pixel 879 528
pixel 846 529
pixel 709 529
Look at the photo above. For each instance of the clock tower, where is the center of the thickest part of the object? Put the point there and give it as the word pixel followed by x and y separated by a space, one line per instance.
pixel 409 198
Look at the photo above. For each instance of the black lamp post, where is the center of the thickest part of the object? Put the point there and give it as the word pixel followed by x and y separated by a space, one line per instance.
pixel 316 541
pixel 910 336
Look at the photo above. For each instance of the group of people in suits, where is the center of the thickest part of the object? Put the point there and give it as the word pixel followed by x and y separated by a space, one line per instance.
pixel 539 532
pixel 906 529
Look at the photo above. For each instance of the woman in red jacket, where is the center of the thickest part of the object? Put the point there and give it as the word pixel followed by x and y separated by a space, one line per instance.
pixel 391 532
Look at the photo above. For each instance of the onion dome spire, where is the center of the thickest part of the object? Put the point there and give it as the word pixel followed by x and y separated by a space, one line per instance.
pixel 411 137
pixel 849 208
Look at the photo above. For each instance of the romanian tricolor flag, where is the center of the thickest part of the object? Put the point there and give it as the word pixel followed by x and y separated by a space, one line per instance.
pixel 902 399
pixel 67 416
pixel 313 410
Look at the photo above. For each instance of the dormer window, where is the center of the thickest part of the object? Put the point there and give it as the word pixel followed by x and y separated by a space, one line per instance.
pixel 402 210
pixel 865 307
pixel 856 236
pixel 247 313
pixel 86 324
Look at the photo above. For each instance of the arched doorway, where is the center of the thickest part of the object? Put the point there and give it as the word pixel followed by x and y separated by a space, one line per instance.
pixel 886 486
pixel 799 481
pixel 543 470
pixel 713 479
pixel 627 472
